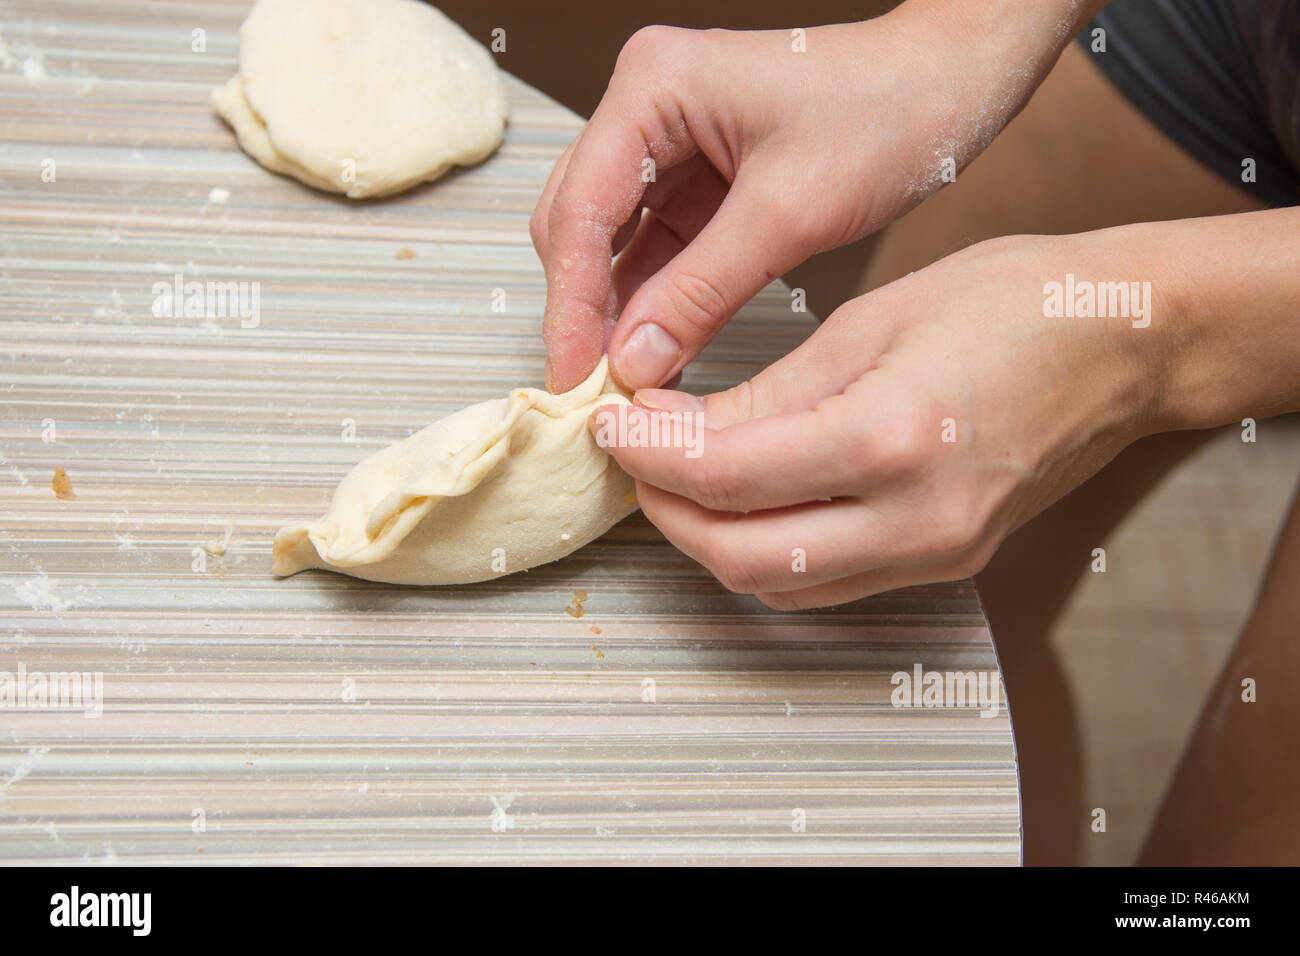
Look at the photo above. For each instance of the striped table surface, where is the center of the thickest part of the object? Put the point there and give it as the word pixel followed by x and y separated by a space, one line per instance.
pixel 616 706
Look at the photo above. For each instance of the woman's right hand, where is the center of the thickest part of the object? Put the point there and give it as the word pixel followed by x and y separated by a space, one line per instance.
pixel 753 151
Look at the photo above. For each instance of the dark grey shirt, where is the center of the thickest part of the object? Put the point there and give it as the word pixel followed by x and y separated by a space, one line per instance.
pixel 1220 77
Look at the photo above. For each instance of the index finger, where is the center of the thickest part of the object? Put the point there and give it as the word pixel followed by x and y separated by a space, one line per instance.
pixel 600 190
pixel 762 463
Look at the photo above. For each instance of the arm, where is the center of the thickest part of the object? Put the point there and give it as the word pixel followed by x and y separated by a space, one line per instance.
pixel 927 420
pixel 1231 343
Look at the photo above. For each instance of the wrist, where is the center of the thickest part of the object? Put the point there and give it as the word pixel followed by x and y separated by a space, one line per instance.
pixel 1221 338
pixel 986 59
pixel 1114 310
pixel 1229 287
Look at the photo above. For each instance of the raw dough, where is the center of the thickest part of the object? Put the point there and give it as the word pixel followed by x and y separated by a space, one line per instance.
pixel 361 97
pixel 522 474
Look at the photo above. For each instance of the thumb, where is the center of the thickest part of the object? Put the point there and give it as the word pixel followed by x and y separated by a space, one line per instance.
pixel 823 365
pixel 751 240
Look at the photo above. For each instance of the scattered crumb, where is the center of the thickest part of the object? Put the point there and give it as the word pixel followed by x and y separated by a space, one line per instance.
pixel 594 629
pixel 405 253
pixel 62 486
pixel 217 196
pixel 599 653
pixel 217 546
pixel 575 607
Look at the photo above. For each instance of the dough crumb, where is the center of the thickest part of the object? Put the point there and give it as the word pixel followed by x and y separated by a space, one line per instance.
pixel 217 546
pixel 599 653
pixel 62 486
pixel 405 253
pixel 575 607
pixel 594 629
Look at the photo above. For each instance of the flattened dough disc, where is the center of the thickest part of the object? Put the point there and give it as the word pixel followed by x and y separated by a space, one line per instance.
pixel 362 97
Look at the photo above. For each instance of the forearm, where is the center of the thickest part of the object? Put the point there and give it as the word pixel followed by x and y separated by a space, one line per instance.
pixel 1225 324
pixel 990 57
pixel 1029 34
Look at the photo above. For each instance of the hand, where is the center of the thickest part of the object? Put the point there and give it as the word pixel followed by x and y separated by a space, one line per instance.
pixel 762 154
pixel 916 429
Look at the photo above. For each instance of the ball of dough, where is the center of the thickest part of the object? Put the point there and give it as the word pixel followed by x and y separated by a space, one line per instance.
pixel 495 488
pixel 362 97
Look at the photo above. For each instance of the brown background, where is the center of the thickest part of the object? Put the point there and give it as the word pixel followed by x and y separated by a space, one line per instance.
pixel 567 49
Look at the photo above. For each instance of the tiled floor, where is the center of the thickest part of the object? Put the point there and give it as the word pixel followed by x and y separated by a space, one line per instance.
pixel 1142 642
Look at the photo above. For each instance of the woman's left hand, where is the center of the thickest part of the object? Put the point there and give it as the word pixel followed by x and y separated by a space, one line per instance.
pixel 915 430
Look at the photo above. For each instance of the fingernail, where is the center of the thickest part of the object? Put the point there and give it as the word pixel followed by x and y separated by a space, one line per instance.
pixel 668 400
pixel 647 356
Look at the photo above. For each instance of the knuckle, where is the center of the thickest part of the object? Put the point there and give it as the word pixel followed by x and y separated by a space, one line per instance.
pixel 786 601
pixel 919 439
pixel 786 219
pixel 647 43
pixel 801 230
pixel 975 561
pixel 714 484
pixel 862 444
pixel 740 400
pixel 902 447
pixel 910 445
pixel 698 301
pixel 894 444
pixel 959 529
pixel 965 564
pixel 538 225
pixel 998 245
pixel 862 455
pixel 734 571
pixel 951 538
